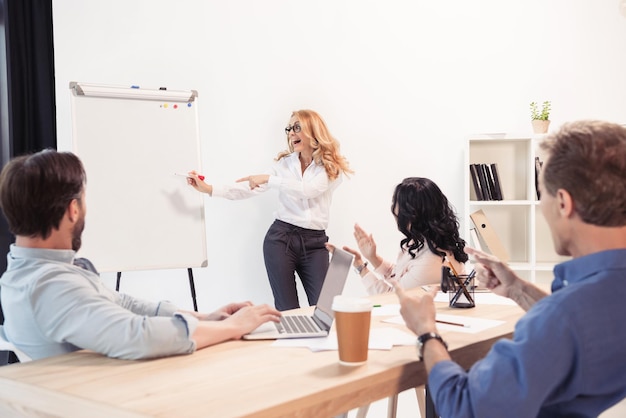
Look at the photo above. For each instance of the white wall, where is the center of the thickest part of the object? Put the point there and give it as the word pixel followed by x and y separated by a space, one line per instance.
pixel 401 84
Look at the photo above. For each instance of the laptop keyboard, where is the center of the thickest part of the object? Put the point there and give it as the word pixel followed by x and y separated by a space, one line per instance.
pixel 296 324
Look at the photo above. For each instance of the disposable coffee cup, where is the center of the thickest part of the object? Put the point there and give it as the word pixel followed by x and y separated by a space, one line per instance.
pixel 352 323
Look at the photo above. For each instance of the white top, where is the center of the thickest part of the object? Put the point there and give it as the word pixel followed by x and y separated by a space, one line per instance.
pixel 424 269
pixel 303 199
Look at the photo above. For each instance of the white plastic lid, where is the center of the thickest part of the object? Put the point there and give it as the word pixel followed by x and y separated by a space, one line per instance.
pixel 343 303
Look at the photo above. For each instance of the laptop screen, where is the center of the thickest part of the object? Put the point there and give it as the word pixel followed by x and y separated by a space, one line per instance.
pixel 334 282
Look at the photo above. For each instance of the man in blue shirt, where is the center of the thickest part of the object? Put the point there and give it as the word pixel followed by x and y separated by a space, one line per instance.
pixel 567 354
pixel 53 306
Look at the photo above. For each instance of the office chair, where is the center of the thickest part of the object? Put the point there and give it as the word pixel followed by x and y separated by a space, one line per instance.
pixel 6 345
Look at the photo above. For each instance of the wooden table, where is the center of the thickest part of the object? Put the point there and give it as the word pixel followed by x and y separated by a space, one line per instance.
pixel 232 379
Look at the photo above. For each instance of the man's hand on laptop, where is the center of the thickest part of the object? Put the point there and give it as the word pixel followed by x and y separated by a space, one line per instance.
pixel 241 319
pixel 250 317
pixel 232 308
pixel 224 312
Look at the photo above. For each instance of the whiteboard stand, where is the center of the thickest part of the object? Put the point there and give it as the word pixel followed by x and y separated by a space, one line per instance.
pixel 192 287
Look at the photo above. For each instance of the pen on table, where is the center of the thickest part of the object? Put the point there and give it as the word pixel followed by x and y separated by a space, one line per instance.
pixel 377 306
pixel 457 324
pixel 200 176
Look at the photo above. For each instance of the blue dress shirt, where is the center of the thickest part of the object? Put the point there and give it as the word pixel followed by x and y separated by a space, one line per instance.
pixel 566 357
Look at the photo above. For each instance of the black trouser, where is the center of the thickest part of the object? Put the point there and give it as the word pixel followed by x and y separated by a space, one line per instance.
pixel 288 249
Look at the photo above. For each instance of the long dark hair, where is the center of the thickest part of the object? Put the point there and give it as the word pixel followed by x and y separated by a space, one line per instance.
pixel 424 215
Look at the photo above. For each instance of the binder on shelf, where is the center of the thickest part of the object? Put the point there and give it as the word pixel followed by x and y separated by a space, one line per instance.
pixel 496 181
pixel 474 239
pixel 538 165
pixel 482 179
pixel 490 182
pixel 489 236
pixel 475 182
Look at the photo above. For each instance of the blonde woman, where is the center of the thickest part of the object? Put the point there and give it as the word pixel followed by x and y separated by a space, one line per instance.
pixel 306 175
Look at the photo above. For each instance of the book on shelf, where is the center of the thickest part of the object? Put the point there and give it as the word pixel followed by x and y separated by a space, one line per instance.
pixel 475 182
pixel 496 181
pixel 482 180
pixel 492 187
pixel 486 181
pixel 538 165
pixel 489 236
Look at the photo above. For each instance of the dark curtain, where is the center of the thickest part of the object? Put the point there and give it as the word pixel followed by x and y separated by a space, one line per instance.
pixel 30 62
pixel 27 105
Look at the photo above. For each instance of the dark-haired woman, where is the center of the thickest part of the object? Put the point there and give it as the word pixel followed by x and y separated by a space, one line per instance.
pixel 431 240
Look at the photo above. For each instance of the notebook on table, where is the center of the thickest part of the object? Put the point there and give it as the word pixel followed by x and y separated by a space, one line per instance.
pixel 318 324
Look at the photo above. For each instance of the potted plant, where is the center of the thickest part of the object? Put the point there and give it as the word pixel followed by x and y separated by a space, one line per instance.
pixel 540 119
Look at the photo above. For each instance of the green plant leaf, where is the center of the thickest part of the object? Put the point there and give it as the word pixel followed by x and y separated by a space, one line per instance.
pixel 544 114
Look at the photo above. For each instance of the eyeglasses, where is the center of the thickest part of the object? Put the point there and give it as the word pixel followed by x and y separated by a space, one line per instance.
pixel 296 128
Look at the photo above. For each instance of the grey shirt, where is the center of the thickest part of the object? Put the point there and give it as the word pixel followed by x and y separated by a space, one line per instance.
pixel 53 307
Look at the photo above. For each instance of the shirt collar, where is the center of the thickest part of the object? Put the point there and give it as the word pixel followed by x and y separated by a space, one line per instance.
pixel 580 268
pixel 64 256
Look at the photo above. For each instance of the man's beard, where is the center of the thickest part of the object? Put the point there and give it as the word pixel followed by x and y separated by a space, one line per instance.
pixel 77 233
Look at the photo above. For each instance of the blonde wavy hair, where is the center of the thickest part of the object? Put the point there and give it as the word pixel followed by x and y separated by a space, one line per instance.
pixel 325 146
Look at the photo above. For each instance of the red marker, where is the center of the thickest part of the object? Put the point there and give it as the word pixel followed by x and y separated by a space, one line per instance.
pixel 200 176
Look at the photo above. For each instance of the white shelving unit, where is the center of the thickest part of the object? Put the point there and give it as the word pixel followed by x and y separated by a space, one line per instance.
pixel 517 219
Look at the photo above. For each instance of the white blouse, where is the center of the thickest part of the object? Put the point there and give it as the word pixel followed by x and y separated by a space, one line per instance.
pixel 424 269
pixel 303 199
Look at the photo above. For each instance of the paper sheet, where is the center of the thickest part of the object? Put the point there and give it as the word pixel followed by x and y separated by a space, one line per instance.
pixel 470 325
pixel 380 339
pixel 386 310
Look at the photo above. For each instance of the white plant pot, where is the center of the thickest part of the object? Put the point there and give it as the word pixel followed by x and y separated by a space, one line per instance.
pixel 540 126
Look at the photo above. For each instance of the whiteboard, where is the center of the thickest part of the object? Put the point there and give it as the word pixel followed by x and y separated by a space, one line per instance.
pixel 131 140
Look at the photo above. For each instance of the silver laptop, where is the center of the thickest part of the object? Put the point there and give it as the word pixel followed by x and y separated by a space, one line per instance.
pixel 318 325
